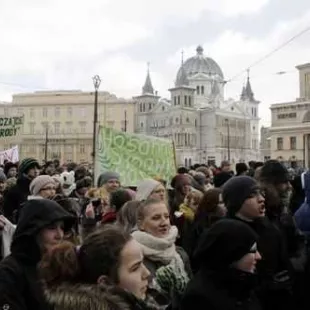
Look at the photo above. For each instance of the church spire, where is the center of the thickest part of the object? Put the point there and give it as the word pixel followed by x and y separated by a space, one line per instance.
pixel 247 93
pixel 148 87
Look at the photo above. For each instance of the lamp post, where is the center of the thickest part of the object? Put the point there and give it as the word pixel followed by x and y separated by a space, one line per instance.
pixel 96 82
pixel 228 138
pixel 125 121
pixel 46 144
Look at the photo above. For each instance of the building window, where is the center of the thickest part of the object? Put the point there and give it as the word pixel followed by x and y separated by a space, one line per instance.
pixel 57 111
pixel 141 125
pixel 143 107
pixel 189 101
pixel 150 106
pixel 83 112
pixel 31 128
pixel 69 127
pixel 140 107
pixel 293 143
pixel 280 144
pixel 179 100
pixel 44 127
pixel 185 100
pixel 69 111
pixel 57 128
pixel 82 148
pixel 202 90
pixel 44 112
pixel 185 162
pixel 83 127
pixel 31 113
pixel 175 100
pixel 187 119
pixel 177 120
pixel 195 122
pixel 198 90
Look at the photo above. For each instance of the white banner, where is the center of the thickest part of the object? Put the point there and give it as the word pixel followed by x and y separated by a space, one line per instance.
pixel 11 155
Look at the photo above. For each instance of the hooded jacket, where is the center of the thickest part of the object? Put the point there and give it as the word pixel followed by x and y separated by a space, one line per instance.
pixel 19 282
pixel 218 286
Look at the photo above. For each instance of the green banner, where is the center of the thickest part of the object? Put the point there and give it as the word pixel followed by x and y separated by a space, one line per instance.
pixel 135 157
pixel 10 126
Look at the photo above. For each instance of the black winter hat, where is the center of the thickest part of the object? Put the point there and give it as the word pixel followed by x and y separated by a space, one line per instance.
pixel 227 241
pixel 236 191
pixel 26 165
pixel 241 167
pixel 273 172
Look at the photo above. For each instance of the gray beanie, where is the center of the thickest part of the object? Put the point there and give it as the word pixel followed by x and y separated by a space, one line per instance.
pixel 145 188
pixel 2 177
pixel 39 182
pixel 106 176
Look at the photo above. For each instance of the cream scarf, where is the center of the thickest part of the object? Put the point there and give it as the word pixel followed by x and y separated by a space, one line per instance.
pixel 158 249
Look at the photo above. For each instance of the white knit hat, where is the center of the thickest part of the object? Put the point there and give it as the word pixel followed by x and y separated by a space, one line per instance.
pixel 39 182
pixel 145 188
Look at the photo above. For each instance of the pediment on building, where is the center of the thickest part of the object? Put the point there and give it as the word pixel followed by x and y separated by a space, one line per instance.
pixel 233 108
pixel 200 76
pixel 161 106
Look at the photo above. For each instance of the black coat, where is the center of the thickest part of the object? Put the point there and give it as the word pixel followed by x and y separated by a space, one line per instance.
pixel 20 286
pixel 222 290
pixel 274 269
pixel 14 197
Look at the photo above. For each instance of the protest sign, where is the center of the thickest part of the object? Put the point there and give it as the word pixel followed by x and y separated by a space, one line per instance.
pixel 10 126
pixel 11 155
pixel 135 157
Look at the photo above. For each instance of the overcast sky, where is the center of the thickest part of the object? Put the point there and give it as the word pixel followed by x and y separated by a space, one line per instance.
pixel 61 44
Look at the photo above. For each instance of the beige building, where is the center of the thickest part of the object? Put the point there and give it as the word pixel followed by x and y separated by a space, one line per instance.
pixel 68 115
pixel 265 143
pixel 290 124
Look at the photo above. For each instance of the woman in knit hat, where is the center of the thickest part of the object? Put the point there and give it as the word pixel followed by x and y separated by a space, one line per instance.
pixel 227 255
pixel 42 187
pixel 150 188
pixel 109 180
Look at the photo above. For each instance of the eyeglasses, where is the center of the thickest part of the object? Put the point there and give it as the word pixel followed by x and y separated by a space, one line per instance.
pixel 48 189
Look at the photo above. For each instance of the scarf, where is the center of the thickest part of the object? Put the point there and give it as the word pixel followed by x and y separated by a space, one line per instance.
pixel 171 278
pixel 158 249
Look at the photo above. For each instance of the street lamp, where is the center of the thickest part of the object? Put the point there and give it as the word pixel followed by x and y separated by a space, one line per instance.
pixel 228 138
pixel 96 82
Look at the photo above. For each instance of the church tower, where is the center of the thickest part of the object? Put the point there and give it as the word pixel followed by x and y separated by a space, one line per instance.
pixel 145 104
pixel 251 108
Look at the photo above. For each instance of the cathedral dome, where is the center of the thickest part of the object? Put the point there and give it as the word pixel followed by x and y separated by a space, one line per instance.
pixel 199 64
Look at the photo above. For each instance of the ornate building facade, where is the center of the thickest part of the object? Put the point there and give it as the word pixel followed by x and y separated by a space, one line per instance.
pixel 203 126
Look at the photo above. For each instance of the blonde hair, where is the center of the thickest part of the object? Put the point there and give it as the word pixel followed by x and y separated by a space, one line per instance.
pixel 195 196
pixel 101 193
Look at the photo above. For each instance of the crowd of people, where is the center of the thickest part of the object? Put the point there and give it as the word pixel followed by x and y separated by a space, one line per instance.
pixel 210 238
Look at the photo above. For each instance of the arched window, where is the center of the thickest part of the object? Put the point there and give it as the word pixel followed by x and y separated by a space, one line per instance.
pixel 189 101
pixel 202 90
pixel 175 100
pixel 179 100
pixel 198 90
pixel 143 107
pixel 140 106
pixel 185 162
pixel 185 100
pixel 190 162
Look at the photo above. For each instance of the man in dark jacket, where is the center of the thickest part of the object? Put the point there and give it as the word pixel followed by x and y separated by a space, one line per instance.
pixel 41 226
pixel 245 202
pixel 18 194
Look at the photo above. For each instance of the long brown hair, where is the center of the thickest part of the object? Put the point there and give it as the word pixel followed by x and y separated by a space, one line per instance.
pixel 208 205
pixel 99 255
